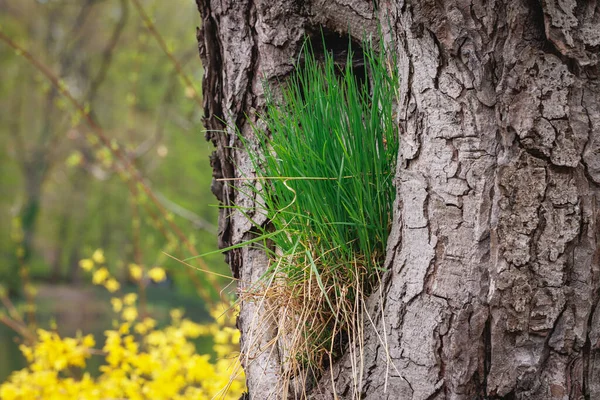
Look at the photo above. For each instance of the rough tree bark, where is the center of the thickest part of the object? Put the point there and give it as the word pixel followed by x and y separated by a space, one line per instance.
pixel 494 259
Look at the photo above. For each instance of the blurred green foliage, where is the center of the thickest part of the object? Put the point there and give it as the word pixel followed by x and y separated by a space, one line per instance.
pixel 54 176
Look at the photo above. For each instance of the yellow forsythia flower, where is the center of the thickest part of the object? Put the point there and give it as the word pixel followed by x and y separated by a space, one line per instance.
pixel 176 314
pixel 157 274
pixel 88 341
pixel 98 256
pixel 86 264
pixel 117 304
pixel 130 299
pixel 100 276
pixel 149 322
pixel 141 328
pixel 124 328
pixel 129 313
pixel 135 271
pixel 112 285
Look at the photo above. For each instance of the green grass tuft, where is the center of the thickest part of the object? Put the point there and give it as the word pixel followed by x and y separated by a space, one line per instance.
pixel 325 167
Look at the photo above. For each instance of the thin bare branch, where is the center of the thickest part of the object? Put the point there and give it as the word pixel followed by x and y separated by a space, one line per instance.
pixel 131 172
pixel 161 42
pixel 108 52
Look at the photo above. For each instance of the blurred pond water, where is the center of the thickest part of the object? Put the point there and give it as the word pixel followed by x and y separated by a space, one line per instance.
pixel 88 310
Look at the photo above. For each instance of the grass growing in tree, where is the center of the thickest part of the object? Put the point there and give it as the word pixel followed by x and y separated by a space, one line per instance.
pixel 325 167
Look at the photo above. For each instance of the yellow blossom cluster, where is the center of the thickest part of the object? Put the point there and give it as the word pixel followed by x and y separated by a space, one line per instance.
pixel 141 360
pixel 101 275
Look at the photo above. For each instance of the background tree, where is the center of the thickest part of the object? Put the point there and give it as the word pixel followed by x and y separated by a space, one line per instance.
pixel 58 181
pixel 493 260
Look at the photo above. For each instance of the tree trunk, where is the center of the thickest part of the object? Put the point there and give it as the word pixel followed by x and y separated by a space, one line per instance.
pixel 493 259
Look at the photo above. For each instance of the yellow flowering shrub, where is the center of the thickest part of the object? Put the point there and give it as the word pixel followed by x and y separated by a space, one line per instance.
pixel 141 361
